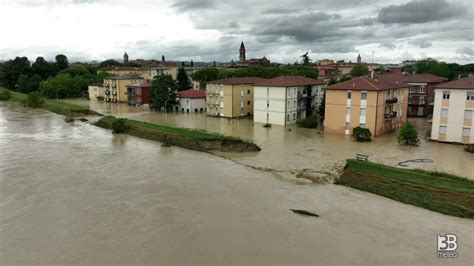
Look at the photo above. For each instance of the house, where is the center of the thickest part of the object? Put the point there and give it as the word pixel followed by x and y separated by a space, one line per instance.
pixel 378 103
pixel 117 70
pixel 139 93
pixel 421 93
pixel 453 111
pixel 231 97
pixel 116 87
pixel 192 100
pixel 286 99
pixel 96 92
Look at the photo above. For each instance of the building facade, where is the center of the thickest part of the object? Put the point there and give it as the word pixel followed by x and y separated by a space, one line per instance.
pixel 287 99
pixel 192 101
pixel 232 97
pixel 96 92
pixel 116 87
pixel 453 112
pixel 421 93
pixel 139 93
pixel 378 103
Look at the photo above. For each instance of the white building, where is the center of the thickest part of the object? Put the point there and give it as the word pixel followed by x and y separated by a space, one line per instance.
pixel 453 112
pixel 285 100
pixel 192 101
pixel 96 92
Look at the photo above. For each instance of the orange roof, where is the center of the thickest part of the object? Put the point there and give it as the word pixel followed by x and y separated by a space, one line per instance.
pixel 379 82
pixel 192 93
pixel 424 78
pixel 464 83
pixel 236 81
pixel 289 81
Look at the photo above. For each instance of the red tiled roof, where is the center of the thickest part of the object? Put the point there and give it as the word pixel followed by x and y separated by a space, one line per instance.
pixel 289 81
pixel 464 83
pixel 143 83
pixel 236 81
pixel 379 82
pixel 192 93
pixel 424 78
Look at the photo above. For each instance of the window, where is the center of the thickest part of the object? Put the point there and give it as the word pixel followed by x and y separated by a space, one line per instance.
pixel 294 92
pixel 248 91
pixel 248 102
pixel 348 111
pixel 268 91
pixel 468 114
pixel 363 111
pixel 470 96
pixel 287 118
pixel 348 125
pixel 294 116
pixel 187 102
pixel 362 125
pixel 446 95
pixel 268 104
pixel 466 132
pixel 442 130
pixel 288 91
pixel 349 95
pixel 363 96
pixel 288 105
pixel 444 112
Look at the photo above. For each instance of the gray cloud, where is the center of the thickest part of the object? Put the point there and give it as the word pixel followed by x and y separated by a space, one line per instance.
pixel 420 12
pixel 186 5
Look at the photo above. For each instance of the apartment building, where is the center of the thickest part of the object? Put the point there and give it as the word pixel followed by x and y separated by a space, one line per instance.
pixel 118 71
pixel 285 100
pixel 232 97
pixel 453 112
pixel 139 93
pixel 378 103
pixel 421 93
pixel 116 87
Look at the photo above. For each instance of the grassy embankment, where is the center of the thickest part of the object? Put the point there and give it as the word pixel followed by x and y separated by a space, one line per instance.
pixel 440 192
pixel 183 137
pixel 55 106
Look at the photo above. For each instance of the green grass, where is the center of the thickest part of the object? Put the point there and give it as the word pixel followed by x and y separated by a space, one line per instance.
pixel 436 191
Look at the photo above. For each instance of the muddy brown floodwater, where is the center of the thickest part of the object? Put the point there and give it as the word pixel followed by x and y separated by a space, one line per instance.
pixel 77 194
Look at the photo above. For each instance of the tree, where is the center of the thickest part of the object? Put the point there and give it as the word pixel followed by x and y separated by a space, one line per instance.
pixel 27 84
pixel 13 69
pixel 64 86
pixel 34 99
pixel 42 68
pixel 359 70
pixel 362 134
pixel 322 107
pixel 306 61
pixel 433 67
pixel 408 135
pixel 183 80
pixel 61 62
pixel 163 92
pixel 109 62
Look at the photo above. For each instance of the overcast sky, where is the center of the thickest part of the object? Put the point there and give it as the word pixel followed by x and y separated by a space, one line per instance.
pixel 388 31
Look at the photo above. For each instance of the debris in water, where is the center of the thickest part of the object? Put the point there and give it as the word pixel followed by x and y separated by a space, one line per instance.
pixel 404 163
pixel 82 119
pixel 303 212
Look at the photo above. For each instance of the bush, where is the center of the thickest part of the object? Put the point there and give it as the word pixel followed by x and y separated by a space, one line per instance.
pixel 309 122
pixel 267 125
pixel 408 135
pixel 469 148
pixel 119 125
pixel 362 134
pixel 5 95
pixel 34 99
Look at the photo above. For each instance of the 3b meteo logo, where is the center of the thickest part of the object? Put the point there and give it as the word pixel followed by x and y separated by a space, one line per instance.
pixel 447 246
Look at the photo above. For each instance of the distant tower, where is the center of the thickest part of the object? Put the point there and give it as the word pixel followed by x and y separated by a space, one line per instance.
pixel 125 58
pixel 192 63
pixel 242 52
pixel 163 58
pixel 359 59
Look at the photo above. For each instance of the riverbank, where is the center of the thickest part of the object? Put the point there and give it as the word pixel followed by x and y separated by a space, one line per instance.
pixel 440 192
pixel 183 137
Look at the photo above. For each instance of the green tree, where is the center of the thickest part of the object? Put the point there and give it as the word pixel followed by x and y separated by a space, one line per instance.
pixel 64 86
pixel 434 67
pixel 305 59
pixel 183 80
pixel 109 62
pixel 359 70
pixel 27 84
pixel 42 68
pixel 163 92
pixel 408 135
pixel 61 62
pixel 34 99
pixel 13 69
pixel 362 134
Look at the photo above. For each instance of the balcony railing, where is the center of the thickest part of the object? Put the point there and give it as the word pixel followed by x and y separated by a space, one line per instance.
pixel 392 100
pixel 391 115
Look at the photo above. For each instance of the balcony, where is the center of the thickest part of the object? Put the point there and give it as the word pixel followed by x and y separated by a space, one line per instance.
pixel 392 100
pixel 390 115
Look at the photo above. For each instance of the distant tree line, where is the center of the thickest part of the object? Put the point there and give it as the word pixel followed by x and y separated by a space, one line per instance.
pixel 450 71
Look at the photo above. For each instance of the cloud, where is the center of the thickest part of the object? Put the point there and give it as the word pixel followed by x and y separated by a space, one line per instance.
pixel 190 5
pixel 420 12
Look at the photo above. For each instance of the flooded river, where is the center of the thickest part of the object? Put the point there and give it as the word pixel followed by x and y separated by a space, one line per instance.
pixel 293 148
pixel 77 194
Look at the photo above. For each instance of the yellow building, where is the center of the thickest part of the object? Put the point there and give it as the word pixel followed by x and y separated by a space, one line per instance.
pixel 116 87
pixel 232 97
pixel 379 103
pixel 145 72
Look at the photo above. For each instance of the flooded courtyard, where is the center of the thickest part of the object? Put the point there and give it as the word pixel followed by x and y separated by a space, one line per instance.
pixel 290 149
pixel 77 194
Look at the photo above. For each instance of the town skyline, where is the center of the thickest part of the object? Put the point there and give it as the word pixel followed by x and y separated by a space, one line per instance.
pixel 206 31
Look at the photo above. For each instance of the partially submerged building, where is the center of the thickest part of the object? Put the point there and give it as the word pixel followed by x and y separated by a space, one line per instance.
pixel 192 100
pixel 139 93
pixel 116 87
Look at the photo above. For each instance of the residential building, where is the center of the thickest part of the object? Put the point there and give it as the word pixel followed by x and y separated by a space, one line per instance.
pixel 453 112
pixel 286 99
pixel 139 93
pixel 421 93
pixel 96 92
pixel 192 100
pixel 378 103
pixel 330 70
pixel 232 97
pixel 115 70
pixel 116 87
